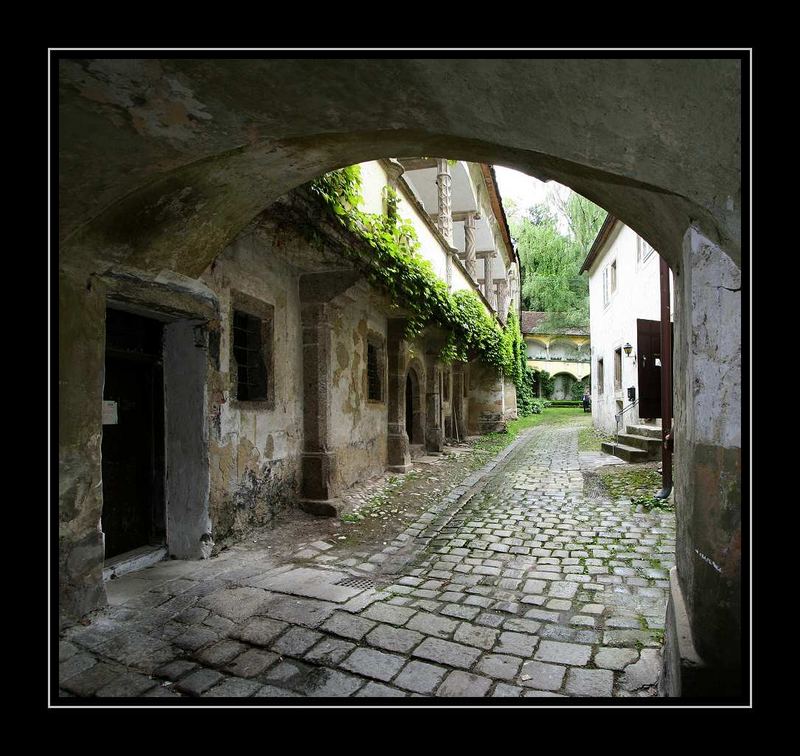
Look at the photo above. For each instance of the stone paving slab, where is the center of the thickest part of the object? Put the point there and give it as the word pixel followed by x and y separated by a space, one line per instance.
pixel 373 663
pixel 312 583
pixel 519 582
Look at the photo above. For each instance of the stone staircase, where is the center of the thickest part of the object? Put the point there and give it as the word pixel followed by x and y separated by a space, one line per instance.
pixel 640 443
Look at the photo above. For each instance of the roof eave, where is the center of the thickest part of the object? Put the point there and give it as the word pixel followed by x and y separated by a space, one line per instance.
pixel 602 236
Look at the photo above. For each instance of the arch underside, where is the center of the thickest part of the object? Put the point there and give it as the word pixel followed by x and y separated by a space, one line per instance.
pixel 184 154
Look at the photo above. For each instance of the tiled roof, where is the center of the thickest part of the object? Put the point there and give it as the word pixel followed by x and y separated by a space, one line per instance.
pixel 530 322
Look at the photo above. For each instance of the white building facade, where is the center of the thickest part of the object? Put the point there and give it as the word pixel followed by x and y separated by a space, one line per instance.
pixel 624 288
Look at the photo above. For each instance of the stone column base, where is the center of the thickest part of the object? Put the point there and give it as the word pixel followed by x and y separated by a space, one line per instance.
pixel 491 422
pixel 433 440
pixel 398 453
pixel 318 472
pixel 685 674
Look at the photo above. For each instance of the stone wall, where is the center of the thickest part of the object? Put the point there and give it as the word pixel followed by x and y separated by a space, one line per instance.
pixel 487 401
pixel 81 330
pixel 708 464
pixel 358 424
pixel 254 450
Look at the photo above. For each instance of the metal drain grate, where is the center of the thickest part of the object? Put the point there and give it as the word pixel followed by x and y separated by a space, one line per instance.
pixel 356 582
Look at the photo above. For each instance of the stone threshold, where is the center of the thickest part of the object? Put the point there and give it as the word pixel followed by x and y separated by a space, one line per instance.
pixel 133 561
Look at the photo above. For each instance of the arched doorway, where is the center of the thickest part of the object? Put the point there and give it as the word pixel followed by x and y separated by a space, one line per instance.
pixel 413 412
pixel 562 386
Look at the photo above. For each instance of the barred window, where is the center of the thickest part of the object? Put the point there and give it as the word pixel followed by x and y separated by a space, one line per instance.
pixel 252 380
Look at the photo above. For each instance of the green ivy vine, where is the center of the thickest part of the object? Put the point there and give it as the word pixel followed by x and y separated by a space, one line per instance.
pixel 395 266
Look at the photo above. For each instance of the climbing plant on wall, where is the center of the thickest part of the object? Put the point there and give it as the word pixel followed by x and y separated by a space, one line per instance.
pixel 394 265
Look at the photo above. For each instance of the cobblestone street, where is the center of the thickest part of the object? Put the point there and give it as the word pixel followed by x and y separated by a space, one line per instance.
pixel 521 582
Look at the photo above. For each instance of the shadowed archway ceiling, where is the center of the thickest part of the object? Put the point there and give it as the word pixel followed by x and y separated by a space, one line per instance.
pixel 162 162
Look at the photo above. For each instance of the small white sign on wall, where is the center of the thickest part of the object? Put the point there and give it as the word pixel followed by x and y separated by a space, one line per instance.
pixel 109 413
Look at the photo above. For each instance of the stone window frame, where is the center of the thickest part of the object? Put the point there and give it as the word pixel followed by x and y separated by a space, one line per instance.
pixel 618 364
pixel 265 312
pixel 378 341
pixel 600 375
pixel 608 290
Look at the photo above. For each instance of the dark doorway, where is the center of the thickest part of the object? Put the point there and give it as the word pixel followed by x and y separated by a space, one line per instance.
pixel 410 411
pixel 648 340
pixel 133 433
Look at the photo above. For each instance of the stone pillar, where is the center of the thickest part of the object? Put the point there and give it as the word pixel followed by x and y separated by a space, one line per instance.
pixel 457 398
pixel 470 261
pixel 434 340
pixel 81 370
pixel 448 267
pixel 318 460
pixel 399 456
pixel 433 429
pixel 515 287
pixel 501 285
pixel 488 261
pixel 444 220
pixel 703 629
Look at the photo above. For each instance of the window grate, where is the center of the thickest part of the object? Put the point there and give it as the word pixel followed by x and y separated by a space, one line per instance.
pixel 248 351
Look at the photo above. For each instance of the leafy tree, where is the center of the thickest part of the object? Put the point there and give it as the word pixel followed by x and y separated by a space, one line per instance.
pixel 576 390
pixel 550 260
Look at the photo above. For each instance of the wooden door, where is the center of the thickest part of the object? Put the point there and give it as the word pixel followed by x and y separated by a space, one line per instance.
pixel 133 434
pixel 648 362
pixel 648 348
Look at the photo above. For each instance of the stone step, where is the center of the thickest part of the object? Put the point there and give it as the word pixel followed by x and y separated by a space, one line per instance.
pixel 651 431
pixel 646 443
pixel 628 453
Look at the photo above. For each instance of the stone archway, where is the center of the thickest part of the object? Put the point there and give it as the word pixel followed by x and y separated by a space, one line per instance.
pixel 162 163
pixel 562 385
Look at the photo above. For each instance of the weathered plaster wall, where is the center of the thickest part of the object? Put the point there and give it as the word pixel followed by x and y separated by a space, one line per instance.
pixel 638 295
pixel 254 453
pixel 510 399
pixel 429 245
pixel 486 399
pixel 708 460
pixel 359 426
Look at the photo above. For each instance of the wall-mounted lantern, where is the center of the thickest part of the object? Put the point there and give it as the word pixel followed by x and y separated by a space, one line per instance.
pixel 628 349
